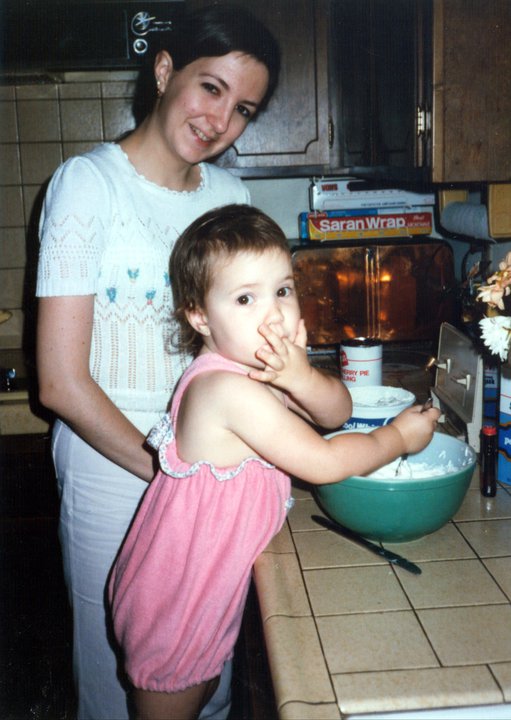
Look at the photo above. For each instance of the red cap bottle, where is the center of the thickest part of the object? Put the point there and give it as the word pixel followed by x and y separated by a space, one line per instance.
pixel 488 456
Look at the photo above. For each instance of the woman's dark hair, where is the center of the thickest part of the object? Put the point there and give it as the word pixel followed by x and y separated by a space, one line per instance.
pixel 216 235
pixel 212 31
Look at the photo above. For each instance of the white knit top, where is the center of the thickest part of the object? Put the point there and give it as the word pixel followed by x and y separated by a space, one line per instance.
pixel 106 230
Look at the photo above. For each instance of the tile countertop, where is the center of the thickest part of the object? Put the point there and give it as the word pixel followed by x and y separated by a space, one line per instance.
pixel 349 634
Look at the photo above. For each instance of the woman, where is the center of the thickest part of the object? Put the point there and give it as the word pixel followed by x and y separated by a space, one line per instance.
pixel 105 365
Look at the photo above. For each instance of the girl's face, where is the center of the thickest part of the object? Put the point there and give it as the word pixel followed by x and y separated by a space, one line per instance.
pixel 247 290
pixel 206 105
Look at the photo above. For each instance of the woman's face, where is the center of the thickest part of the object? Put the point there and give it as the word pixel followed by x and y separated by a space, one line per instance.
pixel 206 105
pixel 247 290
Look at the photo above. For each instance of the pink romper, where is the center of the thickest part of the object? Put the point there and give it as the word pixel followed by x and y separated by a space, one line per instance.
pixel 179 585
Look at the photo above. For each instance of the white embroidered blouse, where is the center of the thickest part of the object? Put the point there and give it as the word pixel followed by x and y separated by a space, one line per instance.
pixel 107 231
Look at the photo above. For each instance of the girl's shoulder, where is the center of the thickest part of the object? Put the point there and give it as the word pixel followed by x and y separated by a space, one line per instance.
pixel 212 372
pixel 224 392
pixel 212 382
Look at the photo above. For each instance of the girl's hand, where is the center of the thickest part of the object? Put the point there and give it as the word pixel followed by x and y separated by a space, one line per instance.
pixel 285 361
pixel 316 395
pixel 416 427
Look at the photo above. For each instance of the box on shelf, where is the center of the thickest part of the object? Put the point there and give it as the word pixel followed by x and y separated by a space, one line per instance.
pixel 351 193
pixel 504 433
pixel 365 223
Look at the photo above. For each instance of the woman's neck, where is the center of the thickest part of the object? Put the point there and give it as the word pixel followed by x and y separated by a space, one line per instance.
pixel 151 159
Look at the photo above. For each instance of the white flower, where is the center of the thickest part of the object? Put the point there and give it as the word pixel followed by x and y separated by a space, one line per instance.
pixel 496 334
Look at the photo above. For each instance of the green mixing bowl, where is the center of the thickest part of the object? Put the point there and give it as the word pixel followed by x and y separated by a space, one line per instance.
pixel 400 509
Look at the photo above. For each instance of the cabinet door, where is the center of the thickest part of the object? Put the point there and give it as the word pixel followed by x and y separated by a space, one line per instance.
pixel 293 131
pixel 377 48
pixel 471 91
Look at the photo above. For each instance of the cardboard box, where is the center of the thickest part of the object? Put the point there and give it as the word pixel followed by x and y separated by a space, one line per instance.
pixel 365 223
pixel 351 193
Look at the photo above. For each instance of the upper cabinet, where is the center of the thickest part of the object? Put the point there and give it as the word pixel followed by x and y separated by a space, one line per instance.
pixel 293 131
pixel 471 121
pixel 379 61
pixel 412 90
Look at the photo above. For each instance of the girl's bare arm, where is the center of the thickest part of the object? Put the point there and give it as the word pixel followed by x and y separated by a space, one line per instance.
pixel 226 418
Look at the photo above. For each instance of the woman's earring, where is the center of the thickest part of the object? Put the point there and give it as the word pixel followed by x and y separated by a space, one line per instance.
pixel 159 93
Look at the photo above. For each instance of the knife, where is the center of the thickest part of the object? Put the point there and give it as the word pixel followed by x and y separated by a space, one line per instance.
pixel 356 538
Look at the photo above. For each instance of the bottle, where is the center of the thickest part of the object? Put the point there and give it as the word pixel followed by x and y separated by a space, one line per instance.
pixel 488 481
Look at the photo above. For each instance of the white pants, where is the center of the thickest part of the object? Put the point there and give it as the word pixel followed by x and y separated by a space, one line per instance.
pixel 98 502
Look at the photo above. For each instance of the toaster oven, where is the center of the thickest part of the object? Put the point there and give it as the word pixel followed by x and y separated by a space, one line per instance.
pixel 396 291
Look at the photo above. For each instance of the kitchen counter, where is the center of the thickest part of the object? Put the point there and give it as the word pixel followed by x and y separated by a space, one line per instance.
pixel 347 634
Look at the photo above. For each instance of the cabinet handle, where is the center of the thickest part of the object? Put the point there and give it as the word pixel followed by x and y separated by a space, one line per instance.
pixel 330 132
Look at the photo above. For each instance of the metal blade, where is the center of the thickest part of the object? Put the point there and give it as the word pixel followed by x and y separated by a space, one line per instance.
pixel 377 549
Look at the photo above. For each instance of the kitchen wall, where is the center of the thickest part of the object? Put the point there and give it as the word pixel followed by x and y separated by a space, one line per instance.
pixel 42 124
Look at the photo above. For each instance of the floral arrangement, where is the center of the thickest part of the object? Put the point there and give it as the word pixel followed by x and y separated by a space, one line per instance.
pixel 496 328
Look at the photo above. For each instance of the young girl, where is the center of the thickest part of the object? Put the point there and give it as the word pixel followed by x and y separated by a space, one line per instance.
pixel 235 432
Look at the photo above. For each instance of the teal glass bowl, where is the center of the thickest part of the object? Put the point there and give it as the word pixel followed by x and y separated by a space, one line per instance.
pixel 401 509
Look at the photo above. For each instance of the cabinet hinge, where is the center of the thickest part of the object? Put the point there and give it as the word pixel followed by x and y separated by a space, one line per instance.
pixel 420 120
pixel 330 132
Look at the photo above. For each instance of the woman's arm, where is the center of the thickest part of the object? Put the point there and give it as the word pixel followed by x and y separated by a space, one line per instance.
pixel 64 335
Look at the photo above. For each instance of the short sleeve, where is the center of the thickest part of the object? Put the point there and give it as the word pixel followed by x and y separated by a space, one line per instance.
pixel 72 230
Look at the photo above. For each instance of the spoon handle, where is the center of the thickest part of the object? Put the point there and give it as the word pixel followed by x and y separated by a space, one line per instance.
pixel 427 405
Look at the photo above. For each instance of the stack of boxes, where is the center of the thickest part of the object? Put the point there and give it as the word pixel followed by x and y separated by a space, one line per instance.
pixel 345 209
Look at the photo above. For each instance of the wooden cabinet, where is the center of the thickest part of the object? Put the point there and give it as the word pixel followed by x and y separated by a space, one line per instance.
pixel 293 131
pixel 471 121
pixel 411 90
pixel 379 61
pixel 352 80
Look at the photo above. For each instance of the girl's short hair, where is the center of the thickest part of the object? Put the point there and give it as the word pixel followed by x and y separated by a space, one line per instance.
pixel 212 31
pixel 217 234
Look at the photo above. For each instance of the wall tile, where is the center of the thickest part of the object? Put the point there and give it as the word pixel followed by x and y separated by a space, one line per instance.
pixel 11 288
pixel 12 248
pixel 11 332
pixel 70 149
pixel 39 161
pixel 38 120
pixel 10 172
pixel 7 92
pixel 40 91
pixel 11 206
pixel 32 202
pixel 118 118
pixel 118 89
pixel 74 91
pixel 8 125
pixel 81 120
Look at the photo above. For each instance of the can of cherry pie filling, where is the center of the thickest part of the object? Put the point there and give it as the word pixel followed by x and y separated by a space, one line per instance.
pixel 361 361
